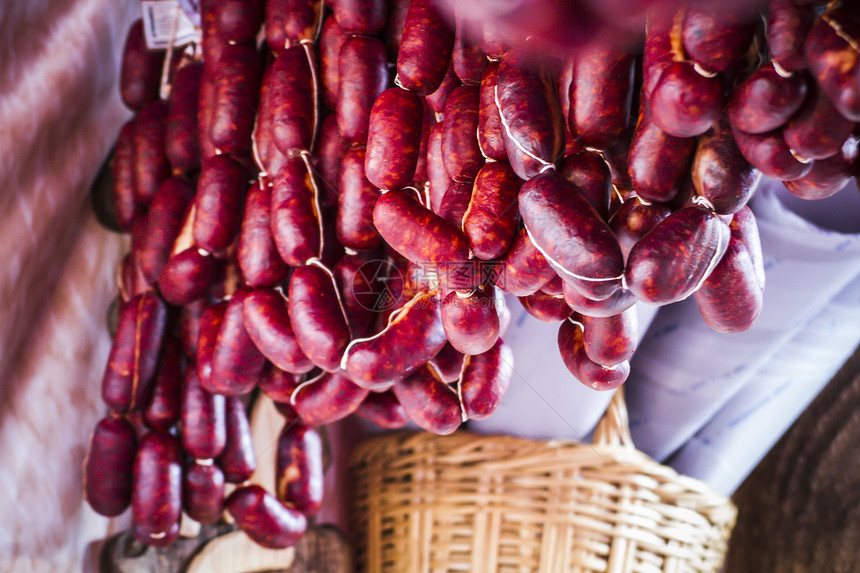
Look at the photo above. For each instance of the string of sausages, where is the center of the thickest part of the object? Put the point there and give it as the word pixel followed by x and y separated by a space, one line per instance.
pixel 335 197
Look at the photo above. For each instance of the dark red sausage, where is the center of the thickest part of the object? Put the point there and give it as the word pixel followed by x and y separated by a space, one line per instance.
pixel 394 139
pixel 327 398
pixel 237 459
pixel 151 166
pixel 203 491
pixel 267 322
pixel 362 76
pixel 257 255
pixel 268 522
pixel 140 69
pixel 593 375
pixel 237 88
pixel 299 468
pixel 236 362
pixel 425 48
pixel 491 220
pixel 730 299
pixel 317 316
pixel 485 380
pixel 182 145
pixel 108 466
pixel 164 221
pixel 156 500
pixel 430 403
pixel 671 260
pixel 133 358
pixel 163 409
pixel 356 200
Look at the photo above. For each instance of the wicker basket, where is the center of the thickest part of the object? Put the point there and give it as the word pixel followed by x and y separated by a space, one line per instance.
pixel 465 502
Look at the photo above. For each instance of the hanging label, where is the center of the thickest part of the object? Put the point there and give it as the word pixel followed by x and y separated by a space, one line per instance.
pixel 192 10
pixel 164 22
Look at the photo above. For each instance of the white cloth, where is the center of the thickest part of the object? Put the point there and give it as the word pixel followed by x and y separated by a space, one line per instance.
pixel 684 373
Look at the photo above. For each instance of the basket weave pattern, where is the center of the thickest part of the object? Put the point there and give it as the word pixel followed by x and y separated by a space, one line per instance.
pixel 466 502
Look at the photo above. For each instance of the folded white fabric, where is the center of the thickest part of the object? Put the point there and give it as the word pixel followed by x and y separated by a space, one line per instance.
pixel 732 443
pixel 684 373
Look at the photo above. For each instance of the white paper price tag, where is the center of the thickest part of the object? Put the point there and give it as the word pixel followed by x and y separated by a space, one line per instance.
pixel 163 21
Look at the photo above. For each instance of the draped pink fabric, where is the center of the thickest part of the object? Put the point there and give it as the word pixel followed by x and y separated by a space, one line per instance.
pixel 59 114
